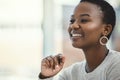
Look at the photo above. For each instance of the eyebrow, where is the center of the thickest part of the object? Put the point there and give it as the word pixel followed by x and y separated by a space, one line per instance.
pixel 84 15
pixel 81 15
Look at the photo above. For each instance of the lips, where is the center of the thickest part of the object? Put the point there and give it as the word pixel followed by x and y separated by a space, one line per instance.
pixel 76 34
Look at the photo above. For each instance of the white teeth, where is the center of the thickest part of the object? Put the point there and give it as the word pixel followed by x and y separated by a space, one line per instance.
pixel 76 35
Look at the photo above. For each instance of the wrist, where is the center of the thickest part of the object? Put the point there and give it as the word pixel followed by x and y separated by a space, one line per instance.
pixel 41 76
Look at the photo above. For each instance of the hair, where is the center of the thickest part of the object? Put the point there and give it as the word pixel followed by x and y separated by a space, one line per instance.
pixel 109 15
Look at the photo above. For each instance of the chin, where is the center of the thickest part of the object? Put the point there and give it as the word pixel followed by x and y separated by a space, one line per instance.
pixel 76 45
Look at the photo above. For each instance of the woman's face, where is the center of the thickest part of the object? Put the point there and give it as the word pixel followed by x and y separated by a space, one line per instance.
pixel 86 25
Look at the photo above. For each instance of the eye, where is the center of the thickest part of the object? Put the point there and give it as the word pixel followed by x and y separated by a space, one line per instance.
pixel 84 20
pixel 72 21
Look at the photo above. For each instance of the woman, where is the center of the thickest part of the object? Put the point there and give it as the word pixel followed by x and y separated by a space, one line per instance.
pixel 90 28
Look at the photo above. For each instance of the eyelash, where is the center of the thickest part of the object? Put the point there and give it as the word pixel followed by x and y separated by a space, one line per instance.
pixel 72 21
pixel 84 21
pixel 81 21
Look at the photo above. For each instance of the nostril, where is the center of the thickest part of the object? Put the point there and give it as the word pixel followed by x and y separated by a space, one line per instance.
pixel 75 26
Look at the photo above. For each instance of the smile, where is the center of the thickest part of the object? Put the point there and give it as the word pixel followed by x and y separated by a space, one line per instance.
pixel 76 35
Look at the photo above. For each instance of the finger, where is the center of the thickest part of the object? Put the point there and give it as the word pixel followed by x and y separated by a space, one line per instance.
pixel 49 61
pixel 61 59
pixel 45 63
pixel 60 62
pixel 56 62
pixel 52 62
pixel 57 59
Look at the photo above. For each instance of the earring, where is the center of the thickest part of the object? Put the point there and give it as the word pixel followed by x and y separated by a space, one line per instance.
pixel 103 40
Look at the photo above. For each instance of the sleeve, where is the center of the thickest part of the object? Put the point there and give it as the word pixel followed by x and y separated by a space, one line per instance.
pixel 60 76
pixel 54 78
pixel 47 79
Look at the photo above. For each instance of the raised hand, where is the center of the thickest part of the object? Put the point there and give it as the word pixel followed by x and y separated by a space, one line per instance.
pixel 51 65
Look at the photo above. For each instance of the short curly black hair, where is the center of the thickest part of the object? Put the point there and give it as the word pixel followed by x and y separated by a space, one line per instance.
pixel 109 15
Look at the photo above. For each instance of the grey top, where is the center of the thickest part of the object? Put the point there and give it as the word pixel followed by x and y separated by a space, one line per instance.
pixel 109 69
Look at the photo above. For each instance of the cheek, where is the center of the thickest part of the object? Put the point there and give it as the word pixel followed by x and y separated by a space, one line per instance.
pixel 93 27
pixel 93 31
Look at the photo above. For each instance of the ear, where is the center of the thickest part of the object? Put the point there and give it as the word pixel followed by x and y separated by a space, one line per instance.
pixel 107 29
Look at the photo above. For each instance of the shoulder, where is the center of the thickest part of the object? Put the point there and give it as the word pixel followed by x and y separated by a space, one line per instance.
pixel 115 56
pixel 113 51
pixel 114 68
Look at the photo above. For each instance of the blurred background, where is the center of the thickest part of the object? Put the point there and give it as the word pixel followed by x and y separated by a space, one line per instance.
pixel 33 29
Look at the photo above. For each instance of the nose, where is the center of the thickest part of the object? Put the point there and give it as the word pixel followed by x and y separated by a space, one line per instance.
pixel 75 25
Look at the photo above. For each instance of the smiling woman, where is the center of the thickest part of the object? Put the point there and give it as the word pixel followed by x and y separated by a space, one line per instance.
pixel 90 29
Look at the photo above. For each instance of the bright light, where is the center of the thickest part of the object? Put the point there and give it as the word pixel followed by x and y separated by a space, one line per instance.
pixel 20 11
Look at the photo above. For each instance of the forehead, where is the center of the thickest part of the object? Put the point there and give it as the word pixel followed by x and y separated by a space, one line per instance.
pixel 88 8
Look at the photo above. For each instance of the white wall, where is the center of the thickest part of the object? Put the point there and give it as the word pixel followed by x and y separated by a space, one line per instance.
pixel 21 39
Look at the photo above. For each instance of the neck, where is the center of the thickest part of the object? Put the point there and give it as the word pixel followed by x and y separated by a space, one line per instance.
pixel 94 57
